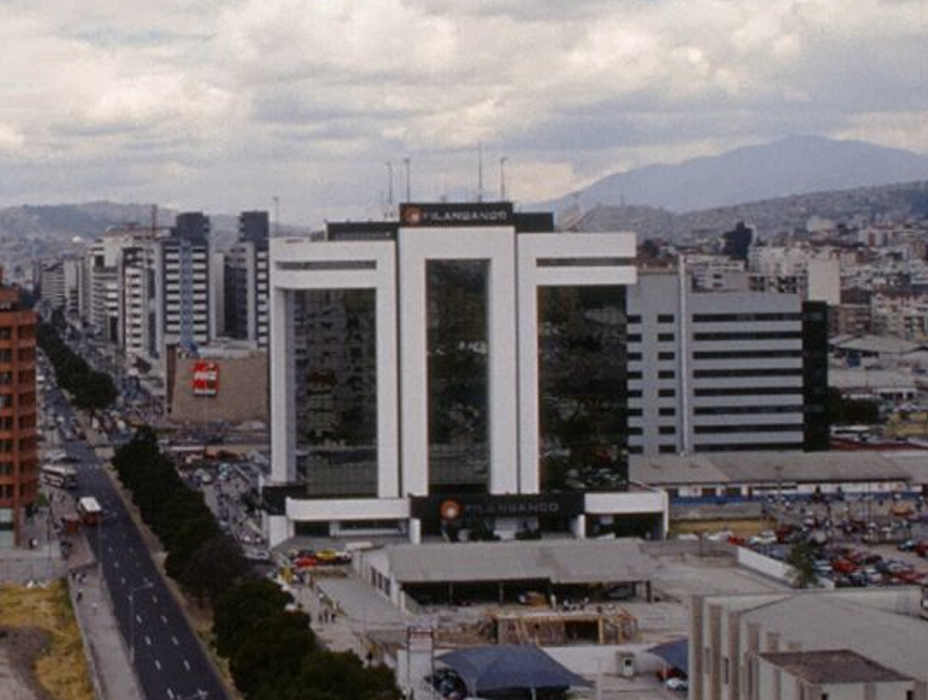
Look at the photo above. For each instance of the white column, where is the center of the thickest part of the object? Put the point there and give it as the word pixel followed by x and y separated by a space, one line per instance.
pixel 282 462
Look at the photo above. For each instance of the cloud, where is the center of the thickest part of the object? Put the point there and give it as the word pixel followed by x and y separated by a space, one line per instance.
pixel 222 102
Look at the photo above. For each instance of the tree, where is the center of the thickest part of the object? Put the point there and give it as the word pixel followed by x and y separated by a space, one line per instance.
pixel 272 653
pixel 242 607
pixel 213 568
pixel 802 558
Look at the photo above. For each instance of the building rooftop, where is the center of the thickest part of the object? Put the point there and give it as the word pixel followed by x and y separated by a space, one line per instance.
pixel 561 561
pixel 765 467
pixel 882 626
pixel 828 667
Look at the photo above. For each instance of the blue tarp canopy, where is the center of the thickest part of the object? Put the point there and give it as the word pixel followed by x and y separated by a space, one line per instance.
pixel 500 666
pixel 675 653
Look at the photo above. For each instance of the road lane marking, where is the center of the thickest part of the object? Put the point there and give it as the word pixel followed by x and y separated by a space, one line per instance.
pixel 186 664
pixel 157 664
pixel 174 639
pixel 147 640
pixel 138 618
pixel 164 619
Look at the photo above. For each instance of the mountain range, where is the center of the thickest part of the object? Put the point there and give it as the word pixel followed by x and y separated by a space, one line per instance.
pixel 790 166
pixel 775 187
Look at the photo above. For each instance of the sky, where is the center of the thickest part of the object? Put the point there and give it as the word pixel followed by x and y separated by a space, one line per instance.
pixel 225 105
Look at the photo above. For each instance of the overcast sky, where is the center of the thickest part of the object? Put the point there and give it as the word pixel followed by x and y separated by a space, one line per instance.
pixel 221 105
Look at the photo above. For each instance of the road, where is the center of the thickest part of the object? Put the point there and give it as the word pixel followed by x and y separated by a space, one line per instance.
pixel 169 660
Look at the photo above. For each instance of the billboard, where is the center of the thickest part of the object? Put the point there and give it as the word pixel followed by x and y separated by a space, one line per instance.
pixel 205 378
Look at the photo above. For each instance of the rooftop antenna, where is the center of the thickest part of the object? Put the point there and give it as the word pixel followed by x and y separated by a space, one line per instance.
pixel 480 171
pixel 502 178
pixel 390 183
pixel 408 187
pixel 276 216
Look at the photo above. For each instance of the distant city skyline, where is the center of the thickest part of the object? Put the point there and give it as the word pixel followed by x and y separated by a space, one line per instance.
pixel 223 106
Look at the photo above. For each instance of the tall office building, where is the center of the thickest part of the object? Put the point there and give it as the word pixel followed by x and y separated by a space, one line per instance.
pixel 499 342
pixel 722 371
pixel 246 281
pixel 183 312
pixel 19 476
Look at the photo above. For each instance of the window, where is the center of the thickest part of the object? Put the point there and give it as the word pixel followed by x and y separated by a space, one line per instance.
pixel 666 374
pixel 667 355
pixel 634 375
pixel 667 411
pixel 667 430
pixel 667 449
pixel 666 393
pixel 665 337
pixel 634 337
pixel 665 318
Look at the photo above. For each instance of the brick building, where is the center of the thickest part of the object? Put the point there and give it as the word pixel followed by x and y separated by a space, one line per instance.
pixel 19 475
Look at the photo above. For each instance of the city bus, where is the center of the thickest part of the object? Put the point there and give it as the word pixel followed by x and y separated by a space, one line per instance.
pixel 89 510
pixel 60 476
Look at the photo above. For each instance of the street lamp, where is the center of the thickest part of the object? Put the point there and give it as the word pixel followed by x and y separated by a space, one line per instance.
pixel 147 584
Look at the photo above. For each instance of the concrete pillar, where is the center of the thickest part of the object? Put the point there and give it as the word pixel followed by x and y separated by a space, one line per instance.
pixel 415 531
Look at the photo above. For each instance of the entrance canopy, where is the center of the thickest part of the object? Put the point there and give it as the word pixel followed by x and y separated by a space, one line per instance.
pixel 517 666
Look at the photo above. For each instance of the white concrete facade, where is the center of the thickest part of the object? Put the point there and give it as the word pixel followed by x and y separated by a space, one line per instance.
pixel 518 265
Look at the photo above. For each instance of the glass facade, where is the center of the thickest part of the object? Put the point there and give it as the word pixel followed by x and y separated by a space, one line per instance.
pixel 458 375
pixel 582 368
pixel 335 391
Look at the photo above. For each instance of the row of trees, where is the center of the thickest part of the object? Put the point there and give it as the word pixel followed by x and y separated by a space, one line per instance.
pixel 272 651
pixel 91 390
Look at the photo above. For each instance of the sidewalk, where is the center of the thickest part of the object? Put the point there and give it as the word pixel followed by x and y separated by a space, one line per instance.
pixel 108 658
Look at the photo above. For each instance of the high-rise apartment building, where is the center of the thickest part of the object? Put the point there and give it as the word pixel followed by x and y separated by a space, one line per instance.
pixel 246 281
pixel 499 342
pixel 19 475
pixel 182 280
pixel 722 371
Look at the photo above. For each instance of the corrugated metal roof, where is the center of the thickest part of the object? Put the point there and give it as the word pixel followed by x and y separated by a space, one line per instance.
pixel 766 467
pixel 562 561
pixel 825 620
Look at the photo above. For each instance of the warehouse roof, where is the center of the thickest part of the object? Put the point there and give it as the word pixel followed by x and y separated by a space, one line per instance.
pixel 826 667
pixel 766 468
pixel 561 561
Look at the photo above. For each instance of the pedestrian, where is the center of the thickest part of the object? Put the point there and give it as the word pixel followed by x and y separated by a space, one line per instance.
pixel 79 596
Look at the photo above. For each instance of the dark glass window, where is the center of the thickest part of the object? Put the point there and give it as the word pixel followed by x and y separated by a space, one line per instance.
pixel 335 391
pixel 458 371
pixel 582 387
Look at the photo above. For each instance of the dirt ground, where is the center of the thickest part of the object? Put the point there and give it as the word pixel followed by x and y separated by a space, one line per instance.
pixel 20 648
pixel 41 652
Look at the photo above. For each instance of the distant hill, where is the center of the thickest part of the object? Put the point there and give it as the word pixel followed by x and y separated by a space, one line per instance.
pixel 769 216
pixel 789 166
pixel 88 220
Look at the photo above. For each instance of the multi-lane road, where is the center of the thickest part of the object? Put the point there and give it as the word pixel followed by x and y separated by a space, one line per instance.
pixel 169 660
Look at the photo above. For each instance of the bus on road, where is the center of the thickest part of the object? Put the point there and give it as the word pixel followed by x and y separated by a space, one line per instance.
pixel 89 510
pixel 60 476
